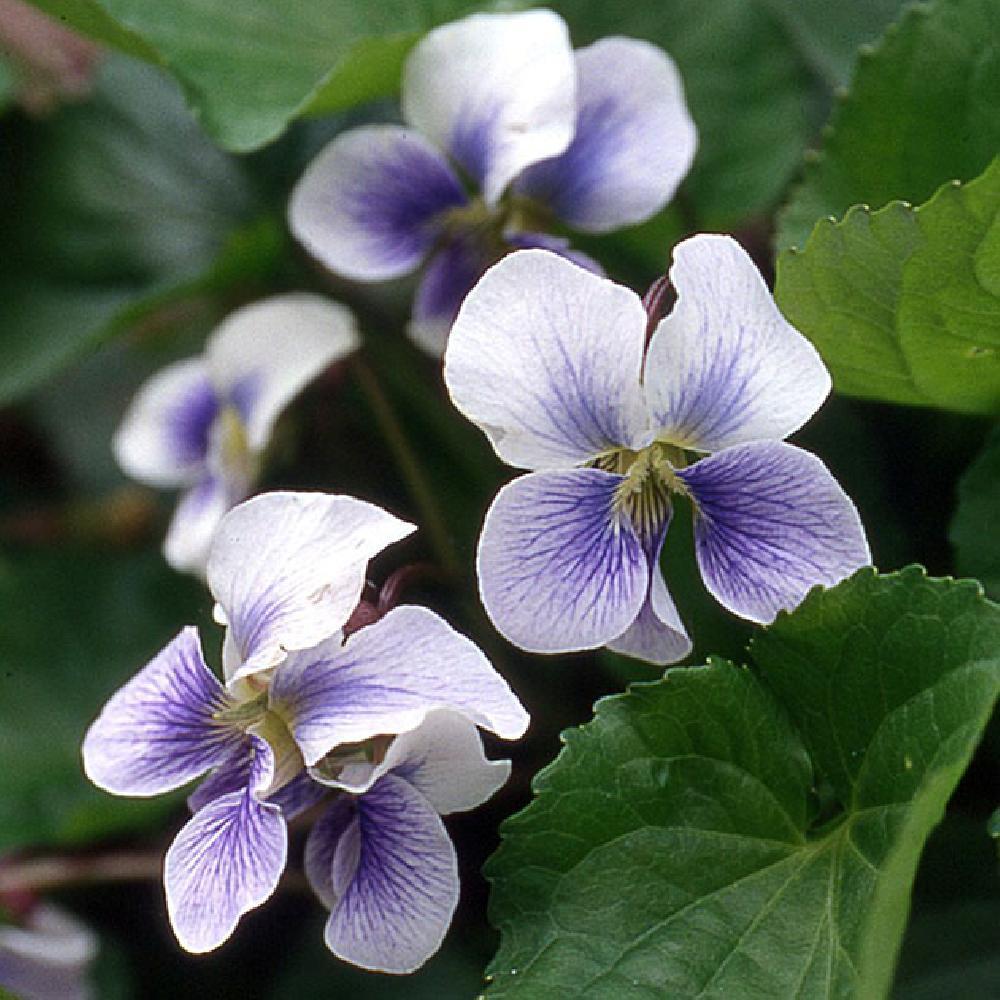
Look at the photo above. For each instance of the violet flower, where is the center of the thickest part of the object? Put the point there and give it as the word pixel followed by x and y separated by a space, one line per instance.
pixel 203 423
pixel 597 139
pixel 551 362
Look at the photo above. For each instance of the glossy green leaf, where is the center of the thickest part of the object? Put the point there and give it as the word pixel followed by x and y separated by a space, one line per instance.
pixel 904 304
pixel 921 111
pixel 973 530
pixel 677 846
pixel 126 207
pixel 75 626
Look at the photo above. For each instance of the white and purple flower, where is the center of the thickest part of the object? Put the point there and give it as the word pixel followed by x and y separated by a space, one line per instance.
pixel 287 571
pixel 615 414
pixel 203 423
pixel 597 139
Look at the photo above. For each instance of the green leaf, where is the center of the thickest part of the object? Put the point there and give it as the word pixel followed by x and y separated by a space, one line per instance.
pixel 921 111
pixel 674 847
pixel 249 68
pixel 973 530
pixel 127 207
pixel 75 626
pixel 904 304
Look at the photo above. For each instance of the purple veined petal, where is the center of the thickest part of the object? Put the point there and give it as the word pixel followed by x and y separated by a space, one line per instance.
pixel 385 679
pixel 232 775
pixel 158 732
pixel 634 140
pixel 559 569
pixel 163 437
pixel 226 860
pixel 657 635
pixel 287 570
pixel 394 879
pixel 264 354
pixel 725 367
pixel 770 524
pixel 498 91
pixel 321 845
pixel 369 206
pixel 47 957
pixel 448 278
pixel 298 796
pixel 443 759
pixel 546 358
pixel 193 526
pixel 556 244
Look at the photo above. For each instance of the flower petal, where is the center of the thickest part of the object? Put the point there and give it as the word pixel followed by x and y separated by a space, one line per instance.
pixel 771 523
pixel 287 570
pixel 395 877
pixel 498 91
pixel 226 860
pixel 193 526
pixel 447 279
pixel 725 367
pixel 443 759
pixel 163 437
pixel 657 635
pixel 385 679
pixel 558 569
pixel 264 354
pixel 369 206
pixel 546 357
pixel 557 244
pixel 158 732
pixel 321 845
pixel 633 144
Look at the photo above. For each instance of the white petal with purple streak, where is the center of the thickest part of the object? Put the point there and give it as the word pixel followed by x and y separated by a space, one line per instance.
pixel 633 143
pixel 443 759
pixel 771 523
pixel 725 367
pixel 264 354
pixel 226 860
pixel 385 679
pixel 195 520
pixel 558 568
pixel 370 205
pixel 157 732
pixel 287 570
pixel 163 437
pixel 498 91
pixel 394 878
pixel 545 357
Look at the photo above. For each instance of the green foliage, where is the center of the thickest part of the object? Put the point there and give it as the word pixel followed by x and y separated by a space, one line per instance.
pixel 128 208
pixel 904 304
pixel 75 625
pixel 921 111
pixel 974 528
pixel 677 847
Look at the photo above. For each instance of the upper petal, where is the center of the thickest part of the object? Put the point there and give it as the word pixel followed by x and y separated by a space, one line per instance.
pixel 657 635
pixel 163 437
pixel 226 860
pixel 633 144
pixel 771 523
pixel 386 678
pixel 287 570
pixel 369 205
pixel 158 731
pixel 395 879
pixel 725 366
pixel 264 354
pixel 443 759
pixel 498 91
pixel 546 358
pixel 558 568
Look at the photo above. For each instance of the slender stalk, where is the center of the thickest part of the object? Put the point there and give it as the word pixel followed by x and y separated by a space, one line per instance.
pixel 409 468
pixel 57 872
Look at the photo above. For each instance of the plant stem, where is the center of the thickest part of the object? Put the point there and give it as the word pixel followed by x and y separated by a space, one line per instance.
pixel 57 871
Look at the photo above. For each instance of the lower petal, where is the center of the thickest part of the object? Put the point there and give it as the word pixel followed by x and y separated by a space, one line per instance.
pixel 396 877
pixel 225 861
pixel 555 244
pixel 770 524
pixel 559 570
pixel 192 528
